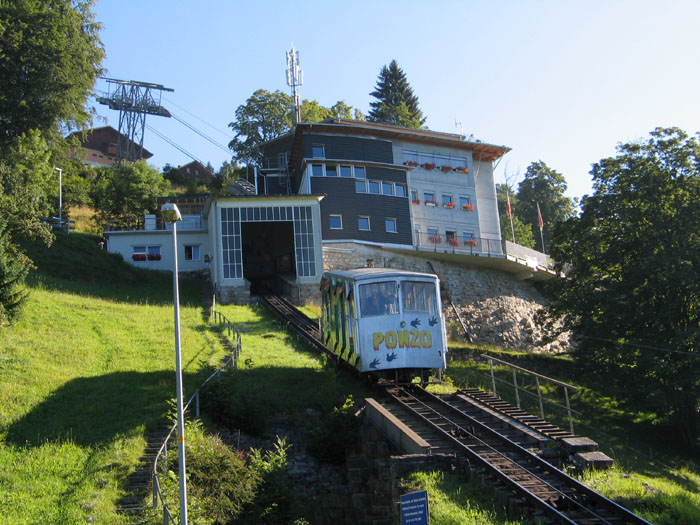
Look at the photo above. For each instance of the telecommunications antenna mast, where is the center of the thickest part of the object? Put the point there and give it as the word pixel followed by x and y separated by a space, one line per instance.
pixel 295 78
pixel 134 100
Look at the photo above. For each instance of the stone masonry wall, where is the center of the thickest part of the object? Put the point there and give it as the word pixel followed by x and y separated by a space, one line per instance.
pixel 496 307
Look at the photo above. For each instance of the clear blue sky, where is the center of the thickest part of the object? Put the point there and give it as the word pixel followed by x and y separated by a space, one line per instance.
pixel 561 82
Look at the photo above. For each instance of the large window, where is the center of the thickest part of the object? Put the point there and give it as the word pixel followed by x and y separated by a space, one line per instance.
pixel 374 186
pixel 318 151
pixel 360 172
pixel 317 170
pixel 331 170
pixel 387 188
pixel 419 297
pixel 447 200
pixel 361 186
pixel 390 225
pixel 429 196
pixel 379 299
pixel 346 171
pixel 145 253
pixel 363 223
pixel 400 190
pixel 336 222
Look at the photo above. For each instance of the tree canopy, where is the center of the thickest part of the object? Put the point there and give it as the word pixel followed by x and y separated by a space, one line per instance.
pixel 50 58
pixel 544 186
pixel 632 289
pixel 523 232
pixel 267 115
pixel 396 103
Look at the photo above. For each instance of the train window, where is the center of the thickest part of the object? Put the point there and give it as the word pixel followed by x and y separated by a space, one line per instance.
pixel 419 297
pixel 379 299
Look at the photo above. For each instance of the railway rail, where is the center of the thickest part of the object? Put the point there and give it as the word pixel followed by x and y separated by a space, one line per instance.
pixel 553 496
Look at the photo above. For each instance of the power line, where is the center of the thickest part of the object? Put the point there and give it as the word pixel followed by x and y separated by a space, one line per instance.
pixel 201 134
pixel 195 116
pixel 166 139
pixel 638 345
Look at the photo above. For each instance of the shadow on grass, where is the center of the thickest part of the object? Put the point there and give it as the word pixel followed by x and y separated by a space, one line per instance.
pixel 94 410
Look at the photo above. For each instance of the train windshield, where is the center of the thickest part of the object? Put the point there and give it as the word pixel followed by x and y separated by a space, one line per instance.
pixel 419 297
pixel 379 299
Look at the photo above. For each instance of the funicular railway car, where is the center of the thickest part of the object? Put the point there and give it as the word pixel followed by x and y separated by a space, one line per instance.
pixel 384 322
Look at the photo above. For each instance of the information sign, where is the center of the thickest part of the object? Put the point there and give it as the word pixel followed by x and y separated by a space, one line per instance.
pixel 414 508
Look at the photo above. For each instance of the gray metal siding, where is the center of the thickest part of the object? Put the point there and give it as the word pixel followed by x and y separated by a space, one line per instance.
pixel 349 148
pixel 341 199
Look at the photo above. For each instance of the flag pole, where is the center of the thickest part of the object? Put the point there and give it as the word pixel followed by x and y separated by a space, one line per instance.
pixel 540 223
pixel 510 212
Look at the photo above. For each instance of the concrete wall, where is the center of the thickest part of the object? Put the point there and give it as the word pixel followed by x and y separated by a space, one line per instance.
pixel 124 242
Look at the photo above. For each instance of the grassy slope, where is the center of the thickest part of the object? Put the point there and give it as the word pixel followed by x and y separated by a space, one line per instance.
pixel 82 374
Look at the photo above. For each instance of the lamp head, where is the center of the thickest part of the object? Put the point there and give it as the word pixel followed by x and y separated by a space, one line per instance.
pixel 170 212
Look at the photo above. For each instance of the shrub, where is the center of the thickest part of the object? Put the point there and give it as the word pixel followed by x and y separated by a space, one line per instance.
pixel 232 409
pixel 333 433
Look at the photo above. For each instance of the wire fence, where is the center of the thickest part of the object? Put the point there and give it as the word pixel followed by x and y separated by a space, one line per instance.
pixel 230 331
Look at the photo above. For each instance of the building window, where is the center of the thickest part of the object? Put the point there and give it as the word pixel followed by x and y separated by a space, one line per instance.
pixel 429 196
pixel 464 200
pixel 360 172
pixel 400 190
pixel 346 171
pixel 331 170
pixel 191 252
pixel 317 170
pixel 146 253
pixel 414 195
pixel 387 188
pixel 446 200
pixel 361 186
pixel 374 187
pixel 390 225
pixel 318 151
pixel 410 158
pixel 336 222
pixel 363 223
pixel 433 235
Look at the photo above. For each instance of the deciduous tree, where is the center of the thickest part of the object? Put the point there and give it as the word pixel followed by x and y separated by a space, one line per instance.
pixel 523 232
pixel 544 186
pixel 396 103
pixel 632 290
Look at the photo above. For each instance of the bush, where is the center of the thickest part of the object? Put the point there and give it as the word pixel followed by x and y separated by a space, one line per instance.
pixel 220 485
pixel 229 408
pixel 333 433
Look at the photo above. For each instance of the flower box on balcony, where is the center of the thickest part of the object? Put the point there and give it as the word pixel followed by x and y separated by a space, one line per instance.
pixel 416 201
pixel 154 257
pixel 445 169
pixel 467 207
pixel 462 170
pixel 431 203
pixel 449 205
pixel 411 163
pixel 428 166
pixel 453 242
pixel 138 257
pixel 435 239
pixel 470 242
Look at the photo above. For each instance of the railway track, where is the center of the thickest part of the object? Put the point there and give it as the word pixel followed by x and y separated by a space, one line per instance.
pixel 503 458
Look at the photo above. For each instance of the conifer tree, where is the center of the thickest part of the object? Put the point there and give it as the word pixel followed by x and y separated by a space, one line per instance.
pixel 13 269
pixel 396 104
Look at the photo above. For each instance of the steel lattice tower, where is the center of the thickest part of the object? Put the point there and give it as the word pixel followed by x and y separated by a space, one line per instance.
pixel 295 78
pixel 134 100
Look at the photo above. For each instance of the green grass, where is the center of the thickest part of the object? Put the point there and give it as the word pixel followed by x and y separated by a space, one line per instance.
pixel 83 374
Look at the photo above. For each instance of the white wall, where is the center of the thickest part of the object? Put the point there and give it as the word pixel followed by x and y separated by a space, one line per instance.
pixel 124 242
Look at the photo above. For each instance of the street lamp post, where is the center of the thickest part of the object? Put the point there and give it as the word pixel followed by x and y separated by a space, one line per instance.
pixel 60 196
pixel 171 214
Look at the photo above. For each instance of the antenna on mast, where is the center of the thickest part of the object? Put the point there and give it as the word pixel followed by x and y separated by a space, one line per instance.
pixel 461 127
pixel 295 78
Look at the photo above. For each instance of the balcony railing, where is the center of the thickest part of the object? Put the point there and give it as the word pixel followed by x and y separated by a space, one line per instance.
pixel 154 223
pixel 459 245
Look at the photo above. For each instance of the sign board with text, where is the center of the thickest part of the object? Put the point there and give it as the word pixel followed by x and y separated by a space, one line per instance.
pixel 414 508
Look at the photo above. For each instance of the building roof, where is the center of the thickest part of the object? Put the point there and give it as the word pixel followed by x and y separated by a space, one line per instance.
pixel 101 138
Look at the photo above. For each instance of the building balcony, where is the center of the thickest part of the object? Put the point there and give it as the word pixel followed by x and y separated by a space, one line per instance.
pixel 448 243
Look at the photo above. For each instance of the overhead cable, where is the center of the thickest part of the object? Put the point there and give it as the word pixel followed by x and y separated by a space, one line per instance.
pixel 166 139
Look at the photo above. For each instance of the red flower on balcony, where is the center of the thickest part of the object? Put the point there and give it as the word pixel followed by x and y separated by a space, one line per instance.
pixel 462 170
pixel 154 257
pixel 435 239
pixel 416 201
pixel 453 242
pixel 428 166
pixel 431 203
pixel 449 205
pixel 411 163
pixel 138 257
pixel 470 242
pixel 445 169
pixel 467 207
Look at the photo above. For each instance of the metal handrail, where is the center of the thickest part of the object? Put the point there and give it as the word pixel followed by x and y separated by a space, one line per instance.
pixel 163 450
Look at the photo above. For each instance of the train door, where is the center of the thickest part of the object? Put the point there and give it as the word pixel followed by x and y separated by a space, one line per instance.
pixel 379 315
pixel 424 334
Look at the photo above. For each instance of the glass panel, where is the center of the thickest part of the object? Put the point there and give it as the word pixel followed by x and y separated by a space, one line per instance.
pixel 447 199
pixel 387 188
pixel 428 196
pixel 363 223
pixel 360 172
pixel 414 195
pixel 317 170
pixel 346 171
pixel 318 152
pixel 336 222
pixel 378 299
pixel 418 297
pixel 331 170
pixel 400 190
pixel 374 187
pixel 361 186
pixel 390 225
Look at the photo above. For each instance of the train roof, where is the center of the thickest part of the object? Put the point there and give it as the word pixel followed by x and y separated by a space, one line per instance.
pixel 362 274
